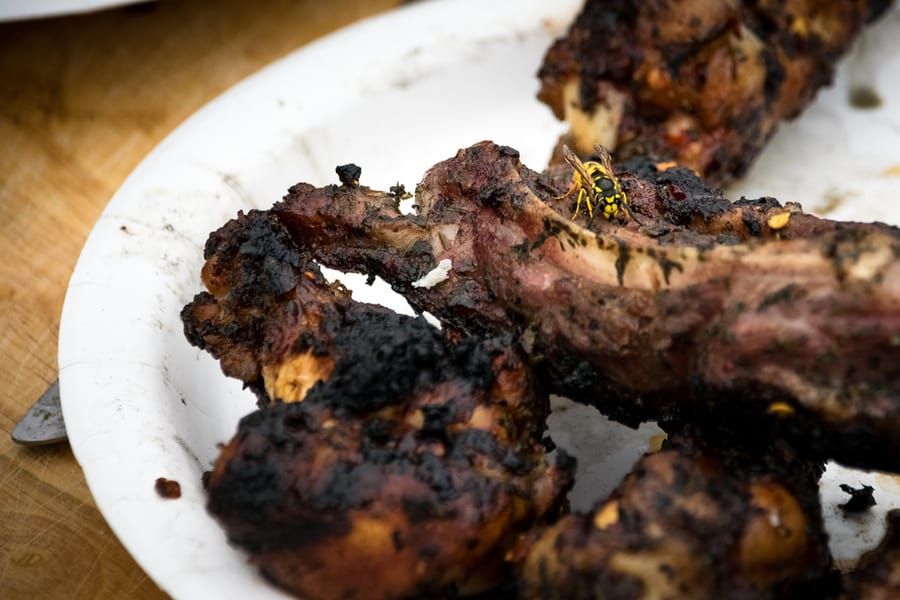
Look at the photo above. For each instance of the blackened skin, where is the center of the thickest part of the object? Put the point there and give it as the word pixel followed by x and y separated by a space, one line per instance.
pixel 387 461
pixel 691 522
pixel 700 82
pixel 266 309
pixel 877 575
pixel 418 487
pixel 751 317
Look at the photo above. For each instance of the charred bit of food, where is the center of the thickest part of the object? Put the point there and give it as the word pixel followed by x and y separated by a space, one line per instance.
pixel 382 446
pixel 700 82
pixel 167 488
pixel 706 313
pixel 861 499
pixel 689 522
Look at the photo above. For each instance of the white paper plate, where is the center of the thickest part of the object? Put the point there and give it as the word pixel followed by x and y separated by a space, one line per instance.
pixel 393 94
pixel 12 10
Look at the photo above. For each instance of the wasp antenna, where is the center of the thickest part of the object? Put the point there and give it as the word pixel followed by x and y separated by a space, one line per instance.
pixel 631 215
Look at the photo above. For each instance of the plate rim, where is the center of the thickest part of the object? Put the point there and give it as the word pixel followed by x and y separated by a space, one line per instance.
pixel 13 10
pixel 77 370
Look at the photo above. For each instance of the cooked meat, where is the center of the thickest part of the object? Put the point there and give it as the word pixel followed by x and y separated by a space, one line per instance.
pixel 408 465
pixel 794 330
pixel 689 523
pixel 700 82
pixel 267 310
pixel 877 575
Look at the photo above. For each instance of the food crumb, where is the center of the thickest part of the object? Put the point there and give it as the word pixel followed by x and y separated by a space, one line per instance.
pixel 864 97
pixel 655 443
pixel 778 221
pixel 168 488
pixel 435 276
pixel 861 498
pixel 349 174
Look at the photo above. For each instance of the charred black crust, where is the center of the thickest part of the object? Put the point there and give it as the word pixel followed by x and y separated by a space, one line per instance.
pixel 861 498
pixel 255 273
pixel 251 486
pixel 384 361
pixel 196 331
pixel 775 75
pixel 348 174
pixel 257 259
pixel 686 197
pixel 655 494
pixel 754 227
pixel 606 52
pixel 267 510
pixel 264 253
pixel 385 358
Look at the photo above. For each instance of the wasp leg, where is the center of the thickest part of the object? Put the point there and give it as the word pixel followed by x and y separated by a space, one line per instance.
pixel 568 191
pixel 587 202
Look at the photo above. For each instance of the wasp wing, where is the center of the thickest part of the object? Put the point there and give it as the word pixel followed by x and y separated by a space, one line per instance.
pixel 605 161
pixel 571 158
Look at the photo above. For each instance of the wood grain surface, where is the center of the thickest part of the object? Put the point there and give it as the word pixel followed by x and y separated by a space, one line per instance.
pixel 82 100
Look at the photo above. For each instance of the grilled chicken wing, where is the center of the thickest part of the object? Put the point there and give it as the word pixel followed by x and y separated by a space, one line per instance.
pixel 750 313
pixel 689 523
pixel 700 82
pixel 267 309
pixel 388 461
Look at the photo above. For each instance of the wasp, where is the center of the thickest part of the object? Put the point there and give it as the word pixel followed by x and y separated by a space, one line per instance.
pixel 596 184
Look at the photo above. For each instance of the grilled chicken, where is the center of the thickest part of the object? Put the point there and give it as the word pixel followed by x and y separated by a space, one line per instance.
pixel 267 309
pixel 690 522
pixel 751 314
pixel 700 82
pixel 387 461
pixel 384 442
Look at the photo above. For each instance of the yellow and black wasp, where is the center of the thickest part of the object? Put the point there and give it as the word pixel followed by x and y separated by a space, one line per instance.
pixel 596 184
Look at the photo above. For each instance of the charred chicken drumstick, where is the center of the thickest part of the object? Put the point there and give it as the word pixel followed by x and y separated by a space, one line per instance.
pixel 689 522
pixel 700 82
pixel 749 313
pixel 388 462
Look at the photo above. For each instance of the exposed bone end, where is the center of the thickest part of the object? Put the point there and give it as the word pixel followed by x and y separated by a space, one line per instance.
pixel 873 262
pixel 598 127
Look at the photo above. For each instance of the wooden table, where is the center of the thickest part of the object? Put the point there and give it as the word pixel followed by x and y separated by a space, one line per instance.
pixel 82 100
